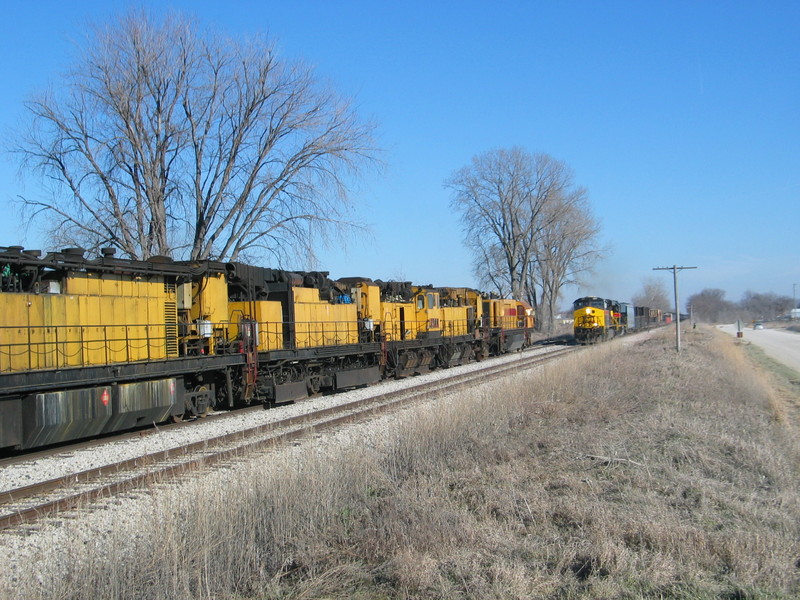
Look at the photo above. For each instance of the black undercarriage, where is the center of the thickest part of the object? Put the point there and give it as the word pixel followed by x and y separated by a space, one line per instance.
pixel 44 407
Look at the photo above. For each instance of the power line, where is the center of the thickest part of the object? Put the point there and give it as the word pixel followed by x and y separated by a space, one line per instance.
pixel 675 269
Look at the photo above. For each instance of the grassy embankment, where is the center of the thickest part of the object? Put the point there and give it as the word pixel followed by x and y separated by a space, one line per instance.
pixel 625 472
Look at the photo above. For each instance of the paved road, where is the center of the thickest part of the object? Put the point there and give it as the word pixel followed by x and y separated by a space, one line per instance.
pixel 780 344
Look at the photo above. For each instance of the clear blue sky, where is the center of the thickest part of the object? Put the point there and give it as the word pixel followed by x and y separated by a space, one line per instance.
pixel 682 119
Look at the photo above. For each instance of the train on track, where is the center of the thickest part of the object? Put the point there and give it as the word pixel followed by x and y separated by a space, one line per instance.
pixel 600 319
pixel 95 346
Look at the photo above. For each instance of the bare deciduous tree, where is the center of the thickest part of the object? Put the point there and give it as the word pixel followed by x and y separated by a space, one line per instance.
pixel 489 268
pixel 529 227
pixel 710 306
pixel 563 250
pixel 494 198
pixel 653 294
pixel 167 140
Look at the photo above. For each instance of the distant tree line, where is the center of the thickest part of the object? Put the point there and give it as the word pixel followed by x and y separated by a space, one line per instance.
pixel 710 306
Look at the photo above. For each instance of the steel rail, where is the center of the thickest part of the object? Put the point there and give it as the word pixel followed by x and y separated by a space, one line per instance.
pixel 169 464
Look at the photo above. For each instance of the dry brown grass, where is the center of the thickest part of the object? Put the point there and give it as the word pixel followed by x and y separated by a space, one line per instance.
pixel 624 472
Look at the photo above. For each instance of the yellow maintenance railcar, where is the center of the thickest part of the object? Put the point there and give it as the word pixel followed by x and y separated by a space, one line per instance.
pixel 92 346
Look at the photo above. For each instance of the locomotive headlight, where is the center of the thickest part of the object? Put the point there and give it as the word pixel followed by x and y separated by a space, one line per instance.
pixel 588 311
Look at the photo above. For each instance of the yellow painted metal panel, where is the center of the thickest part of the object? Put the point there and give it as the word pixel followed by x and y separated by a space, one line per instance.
pixel 93 284
pixel 34 318
pixel 325 324
pixel 455 320
pixel 92 334
pixel 114 314
pixel 320 323
pixel 141 329
pixel 369 301
pixel 210 299
pixel 95 320
pixel 74 286
pixel 14 352
pixel 269 316
pixel 47 351
pixel 47 337
pixel 72 339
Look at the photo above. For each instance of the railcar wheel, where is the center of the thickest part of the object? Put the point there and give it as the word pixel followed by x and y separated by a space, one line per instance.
pixel 206 408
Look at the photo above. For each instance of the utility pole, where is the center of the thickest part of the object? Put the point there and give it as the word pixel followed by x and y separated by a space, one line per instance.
pixel 675 270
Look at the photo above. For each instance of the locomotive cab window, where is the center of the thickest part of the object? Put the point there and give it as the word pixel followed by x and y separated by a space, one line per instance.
pixel 420 302
pixel 431 303
pixel 590 303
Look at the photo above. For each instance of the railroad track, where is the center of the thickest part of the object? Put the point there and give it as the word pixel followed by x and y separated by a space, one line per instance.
pixel 29 504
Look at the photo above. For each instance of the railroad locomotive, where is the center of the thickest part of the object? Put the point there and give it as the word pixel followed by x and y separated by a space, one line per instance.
pixel 600 319
pixel 94 346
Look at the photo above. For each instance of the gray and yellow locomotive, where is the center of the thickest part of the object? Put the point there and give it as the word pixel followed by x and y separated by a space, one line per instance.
pixel 600 319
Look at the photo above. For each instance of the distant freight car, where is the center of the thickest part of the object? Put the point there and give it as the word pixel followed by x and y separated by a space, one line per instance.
pixel 647 317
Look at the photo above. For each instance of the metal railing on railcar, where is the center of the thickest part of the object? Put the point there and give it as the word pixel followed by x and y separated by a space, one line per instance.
pixel 28 348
